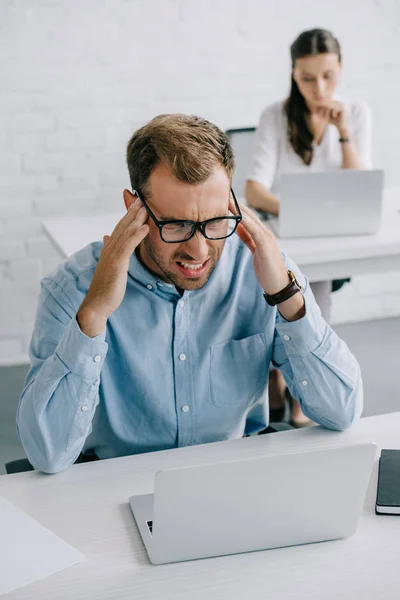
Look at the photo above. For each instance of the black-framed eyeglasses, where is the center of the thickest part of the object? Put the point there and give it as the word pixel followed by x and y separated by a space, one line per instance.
pixel 175 231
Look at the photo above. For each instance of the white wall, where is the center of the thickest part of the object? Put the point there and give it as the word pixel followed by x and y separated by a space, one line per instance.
pixel 78 76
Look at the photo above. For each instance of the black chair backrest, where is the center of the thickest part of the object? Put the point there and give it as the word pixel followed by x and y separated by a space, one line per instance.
pixel 18 466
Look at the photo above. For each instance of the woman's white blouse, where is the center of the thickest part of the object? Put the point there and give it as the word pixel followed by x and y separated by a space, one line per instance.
pixel 273 154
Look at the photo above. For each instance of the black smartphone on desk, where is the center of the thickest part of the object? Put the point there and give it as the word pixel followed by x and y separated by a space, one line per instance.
pixel 388 493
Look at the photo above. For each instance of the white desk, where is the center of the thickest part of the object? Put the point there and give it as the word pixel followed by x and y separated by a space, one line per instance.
pixel 318 258
pixel 87 506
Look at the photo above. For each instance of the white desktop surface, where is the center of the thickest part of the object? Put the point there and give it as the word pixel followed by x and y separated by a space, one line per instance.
pixel 318 258
pixel 87 506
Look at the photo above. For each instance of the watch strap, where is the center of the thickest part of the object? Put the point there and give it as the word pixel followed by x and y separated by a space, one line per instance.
pixel 290 290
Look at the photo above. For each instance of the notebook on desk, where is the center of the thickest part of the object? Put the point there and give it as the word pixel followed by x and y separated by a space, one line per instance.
pixel 388 494
pixel 345 202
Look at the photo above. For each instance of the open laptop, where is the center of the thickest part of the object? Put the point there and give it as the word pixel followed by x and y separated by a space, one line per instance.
pixel 254 504
pixel 345 202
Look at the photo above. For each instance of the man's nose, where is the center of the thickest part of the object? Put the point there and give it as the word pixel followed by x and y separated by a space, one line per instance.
pixel 197 247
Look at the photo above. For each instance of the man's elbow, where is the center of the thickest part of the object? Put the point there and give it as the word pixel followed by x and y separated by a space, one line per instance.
pixel 343 423
pixel 43 455
pixel 50 466
pixel 44 459
pixel 350 412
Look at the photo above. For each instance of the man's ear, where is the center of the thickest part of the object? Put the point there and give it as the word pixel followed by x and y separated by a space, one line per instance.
pixel 129 199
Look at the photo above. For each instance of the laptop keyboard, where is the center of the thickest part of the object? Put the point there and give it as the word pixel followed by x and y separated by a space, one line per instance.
pixel 150 526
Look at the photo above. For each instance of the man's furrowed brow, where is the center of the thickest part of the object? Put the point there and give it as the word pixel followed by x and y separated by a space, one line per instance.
pixel 216 216
pixel 163 218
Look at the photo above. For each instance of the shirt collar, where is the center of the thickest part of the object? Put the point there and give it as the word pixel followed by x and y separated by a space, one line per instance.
pixel 141 274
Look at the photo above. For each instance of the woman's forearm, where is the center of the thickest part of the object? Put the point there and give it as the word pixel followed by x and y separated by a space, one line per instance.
pixel 350 159
pixel 257 196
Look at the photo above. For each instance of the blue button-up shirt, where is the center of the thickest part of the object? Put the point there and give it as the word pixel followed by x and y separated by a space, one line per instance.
pixel 172 370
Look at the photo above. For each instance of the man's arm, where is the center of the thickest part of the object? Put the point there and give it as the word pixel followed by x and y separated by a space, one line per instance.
pixel 68 349
pixel 58 402
pixel 317 365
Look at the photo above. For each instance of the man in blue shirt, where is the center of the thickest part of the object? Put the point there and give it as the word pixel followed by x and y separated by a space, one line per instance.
pixel 162 336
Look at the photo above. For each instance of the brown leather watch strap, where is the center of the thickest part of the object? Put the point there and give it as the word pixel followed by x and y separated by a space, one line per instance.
pixel 290 290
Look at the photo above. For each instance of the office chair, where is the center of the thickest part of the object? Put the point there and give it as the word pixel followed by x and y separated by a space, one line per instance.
pixel 18 466
pixel 241 140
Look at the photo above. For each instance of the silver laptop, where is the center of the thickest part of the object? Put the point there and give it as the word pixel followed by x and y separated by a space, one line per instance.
pixel 343 202
pixel 254 504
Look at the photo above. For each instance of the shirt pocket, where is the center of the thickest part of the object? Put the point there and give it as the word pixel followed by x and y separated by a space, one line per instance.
pixel 238 368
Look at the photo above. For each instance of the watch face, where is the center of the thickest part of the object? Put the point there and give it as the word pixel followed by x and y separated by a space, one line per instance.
pixel 293 278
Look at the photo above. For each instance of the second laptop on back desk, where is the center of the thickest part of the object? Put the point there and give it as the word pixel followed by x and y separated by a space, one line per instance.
pixel 346 202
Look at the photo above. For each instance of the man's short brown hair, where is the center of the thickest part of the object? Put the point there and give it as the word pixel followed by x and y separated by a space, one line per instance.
pixel 189 146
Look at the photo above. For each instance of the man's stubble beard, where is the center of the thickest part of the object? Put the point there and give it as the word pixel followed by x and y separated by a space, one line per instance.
pixel 181 283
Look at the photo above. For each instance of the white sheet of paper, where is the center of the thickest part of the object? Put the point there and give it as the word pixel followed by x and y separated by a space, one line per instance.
pixel 29 551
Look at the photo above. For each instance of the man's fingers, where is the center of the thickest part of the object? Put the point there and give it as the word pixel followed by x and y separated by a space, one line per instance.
pixel 128 235
pixel 141 216
pixel 130 215
pixel 136 212
pixel 245 210
pixel 131 228
pixel 250 213
pixel 241 230
pixel 132 241
pixel 254 226
pixel 251 221
pixel 132 212
pixel 140 234
pixel 246 237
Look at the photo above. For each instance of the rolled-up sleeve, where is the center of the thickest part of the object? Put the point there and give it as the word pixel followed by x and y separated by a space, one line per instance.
pixel 317 365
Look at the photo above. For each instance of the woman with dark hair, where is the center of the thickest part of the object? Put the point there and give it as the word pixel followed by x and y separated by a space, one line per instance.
pixel 312 130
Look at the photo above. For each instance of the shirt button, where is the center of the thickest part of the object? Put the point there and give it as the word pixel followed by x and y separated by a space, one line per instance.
pixel 182 303
pixel 185 408
pixel 97 358
pixel 304 382
pixel 182 356
pixel 95 381
pixel 149 286
pixel 84 408
pixel 287 338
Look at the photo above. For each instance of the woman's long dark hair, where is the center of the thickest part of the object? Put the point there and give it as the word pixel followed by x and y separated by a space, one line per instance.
pixel 309 43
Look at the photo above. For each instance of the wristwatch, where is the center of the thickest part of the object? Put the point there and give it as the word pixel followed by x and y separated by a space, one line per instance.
pixel 290 290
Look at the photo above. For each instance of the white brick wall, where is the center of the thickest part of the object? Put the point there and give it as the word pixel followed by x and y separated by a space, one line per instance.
pixel 78 76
